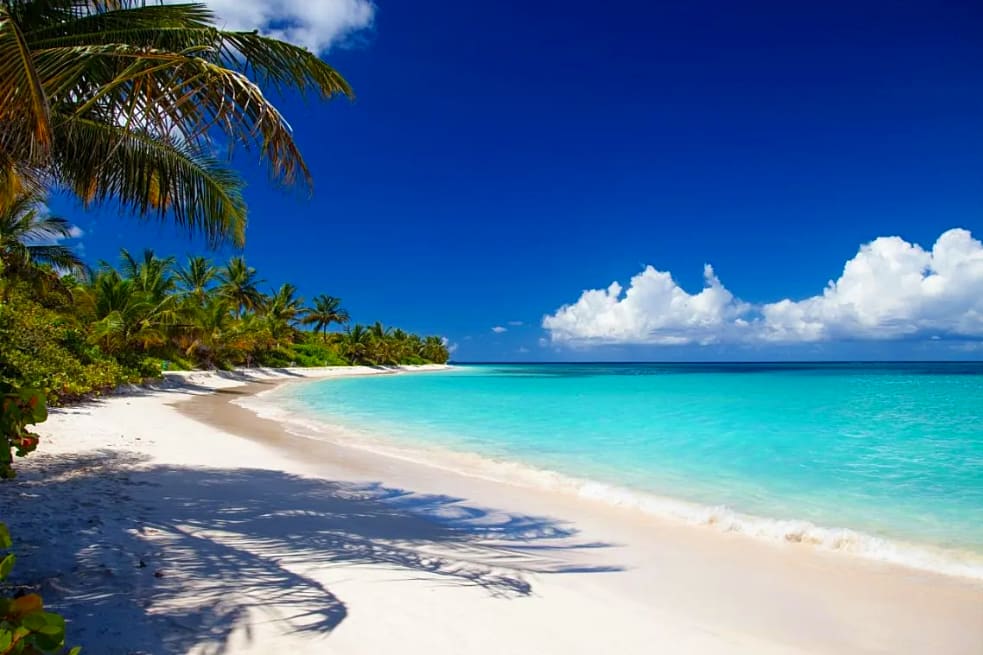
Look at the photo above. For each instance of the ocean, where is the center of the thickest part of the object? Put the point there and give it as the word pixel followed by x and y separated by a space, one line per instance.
pixel 881 460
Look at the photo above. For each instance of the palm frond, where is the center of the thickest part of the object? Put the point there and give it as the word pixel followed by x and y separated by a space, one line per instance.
pixel 61 258
pixel 24 108
pixel 153 178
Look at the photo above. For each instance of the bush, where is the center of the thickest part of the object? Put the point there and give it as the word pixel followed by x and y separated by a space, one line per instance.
pixel 25 628
pixel 41 349
pixel 316 354
pixel 18 409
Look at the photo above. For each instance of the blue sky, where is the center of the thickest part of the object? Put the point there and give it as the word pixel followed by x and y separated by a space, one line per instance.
pixel 503 157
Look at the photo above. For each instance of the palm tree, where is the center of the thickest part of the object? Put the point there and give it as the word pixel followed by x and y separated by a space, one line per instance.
pixel 29 236
pixel 382 348
pixel 435 350
pixel 128 318
pixel 151 275
pixel 326 310
pixel 121 99
pixel 207 336
pixel 355 344
pixel 239 284
pixel 196 277
pixel 281 312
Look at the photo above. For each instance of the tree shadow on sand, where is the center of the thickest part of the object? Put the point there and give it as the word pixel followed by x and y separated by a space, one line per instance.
pixel 165 559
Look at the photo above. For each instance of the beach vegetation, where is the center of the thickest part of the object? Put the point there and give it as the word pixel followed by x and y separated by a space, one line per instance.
pixel 25 627
pixel 125 323
pixel 325 311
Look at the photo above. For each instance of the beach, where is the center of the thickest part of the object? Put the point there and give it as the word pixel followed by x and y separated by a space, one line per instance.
pixel 174 520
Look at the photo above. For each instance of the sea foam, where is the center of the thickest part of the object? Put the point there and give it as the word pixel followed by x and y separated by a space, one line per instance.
pixel 845 541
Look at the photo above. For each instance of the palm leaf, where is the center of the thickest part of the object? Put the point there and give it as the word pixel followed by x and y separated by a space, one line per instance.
pixel 74 74
pixel 153 177
pixel 23 104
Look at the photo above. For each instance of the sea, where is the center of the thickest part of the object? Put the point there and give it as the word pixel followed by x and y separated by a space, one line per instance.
pixel 881 460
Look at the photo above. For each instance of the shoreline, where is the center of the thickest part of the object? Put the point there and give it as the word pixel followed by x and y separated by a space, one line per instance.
pixel 421 560
pixel 844 541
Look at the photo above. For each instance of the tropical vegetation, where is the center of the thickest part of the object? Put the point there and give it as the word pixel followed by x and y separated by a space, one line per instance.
pixel 142 104
pixel 25 627
pixel 91 331
pixel 132 102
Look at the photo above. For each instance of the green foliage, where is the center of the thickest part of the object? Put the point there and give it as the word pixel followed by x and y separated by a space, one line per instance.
pixel 44 349
pixel 18 409
pixel 313 353
pixel 83 337
pixel 122 100
pixel 25 628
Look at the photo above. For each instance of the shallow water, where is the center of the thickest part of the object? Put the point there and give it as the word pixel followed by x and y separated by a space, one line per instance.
pixel 867 457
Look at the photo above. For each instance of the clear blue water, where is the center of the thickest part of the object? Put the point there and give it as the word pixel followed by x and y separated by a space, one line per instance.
pixel 889 450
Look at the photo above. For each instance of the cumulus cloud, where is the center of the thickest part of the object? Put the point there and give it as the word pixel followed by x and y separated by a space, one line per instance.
pixel 891 289
pixel 74 233
pixel 315 24
pixel 498 329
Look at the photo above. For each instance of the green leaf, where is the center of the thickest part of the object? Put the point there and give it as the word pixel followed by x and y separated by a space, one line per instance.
pixel 75 651
pixel 5 639
pixel 49 643
pixel 54 625
pixel 5 541
pixel 6 565
pixel 34 621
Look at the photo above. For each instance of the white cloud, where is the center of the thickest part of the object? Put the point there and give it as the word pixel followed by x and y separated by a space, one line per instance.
pixel 498 329
pixel 891 289
pixel 516 323
pixel 451 347
pixel 74 232
pixel 522 350
pixel 315 24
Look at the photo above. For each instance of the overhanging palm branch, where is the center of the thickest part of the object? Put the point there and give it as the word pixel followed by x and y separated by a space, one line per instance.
pixel 76 76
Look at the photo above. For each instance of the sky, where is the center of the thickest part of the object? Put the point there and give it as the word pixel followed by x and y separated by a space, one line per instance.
pixel 645 180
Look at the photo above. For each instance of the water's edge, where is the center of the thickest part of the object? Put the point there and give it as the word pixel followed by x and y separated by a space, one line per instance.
pixel 847 541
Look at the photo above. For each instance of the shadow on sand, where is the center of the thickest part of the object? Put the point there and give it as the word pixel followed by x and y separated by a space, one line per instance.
pixel 158 559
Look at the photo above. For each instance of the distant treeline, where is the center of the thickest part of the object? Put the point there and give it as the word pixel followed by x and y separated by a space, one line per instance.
pixel 72 334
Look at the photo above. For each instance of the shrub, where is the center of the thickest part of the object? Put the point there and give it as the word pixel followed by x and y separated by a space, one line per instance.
pixel 18 409
pixel 316 354
pixel 25 628
pixel 41 349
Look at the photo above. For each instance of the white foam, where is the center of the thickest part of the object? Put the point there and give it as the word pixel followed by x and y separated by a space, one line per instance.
pixel 843 540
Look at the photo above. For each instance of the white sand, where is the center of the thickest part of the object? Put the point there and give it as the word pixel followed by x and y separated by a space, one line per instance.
pixel 164 533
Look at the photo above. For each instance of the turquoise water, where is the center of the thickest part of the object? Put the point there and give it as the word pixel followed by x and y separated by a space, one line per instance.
pixel 893 451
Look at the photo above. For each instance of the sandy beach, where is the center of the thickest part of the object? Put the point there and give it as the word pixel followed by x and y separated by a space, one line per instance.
pixel 173 520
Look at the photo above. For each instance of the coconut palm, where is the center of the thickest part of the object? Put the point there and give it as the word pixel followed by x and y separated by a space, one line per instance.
pixel 29 237
pixel 128 318
pixel 326 310
pixel 435 350
pixel 151 274
pixel 355 345
pixel 281 312
pixel 207 335
pixel 239 284
pixel 196 277
pixel 124 99
pixel 383 347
